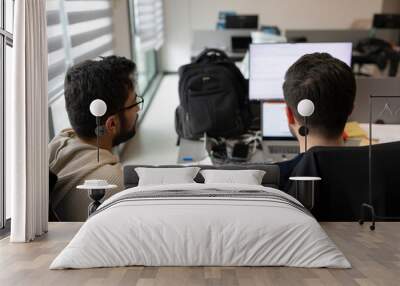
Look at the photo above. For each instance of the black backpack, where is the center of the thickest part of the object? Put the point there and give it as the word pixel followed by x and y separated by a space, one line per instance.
pixel 213 98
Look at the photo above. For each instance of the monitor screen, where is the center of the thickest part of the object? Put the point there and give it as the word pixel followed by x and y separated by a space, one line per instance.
pixel 241 22
pixel 386 21
pixel 274 121
pixel 240 43
pixel 269 63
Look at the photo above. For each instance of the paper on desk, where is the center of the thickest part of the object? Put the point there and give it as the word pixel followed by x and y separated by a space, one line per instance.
pixel 384 133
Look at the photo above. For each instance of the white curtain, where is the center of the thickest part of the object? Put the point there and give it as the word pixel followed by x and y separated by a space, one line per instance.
pixel 27 123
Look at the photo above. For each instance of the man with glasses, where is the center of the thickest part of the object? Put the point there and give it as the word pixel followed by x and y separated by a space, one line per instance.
pixel 73 152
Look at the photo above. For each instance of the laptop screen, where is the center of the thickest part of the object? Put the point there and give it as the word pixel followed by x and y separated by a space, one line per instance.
pixel 269 63
pixel 274 121
pixel 240 43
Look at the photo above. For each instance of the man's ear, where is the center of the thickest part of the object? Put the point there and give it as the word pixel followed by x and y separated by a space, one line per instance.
pixel 112 124
pixel 290 115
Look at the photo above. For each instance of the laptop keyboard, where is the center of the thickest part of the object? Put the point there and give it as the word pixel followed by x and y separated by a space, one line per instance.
pixel 279 149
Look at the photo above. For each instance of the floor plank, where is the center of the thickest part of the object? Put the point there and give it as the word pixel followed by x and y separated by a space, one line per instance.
pixel 375 257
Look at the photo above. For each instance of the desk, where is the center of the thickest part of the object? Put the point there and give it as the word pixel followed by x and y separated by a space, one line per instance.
pixel 383 133
pixel 194 151
pixel 340 35
pixel 191 151
pixel 219 39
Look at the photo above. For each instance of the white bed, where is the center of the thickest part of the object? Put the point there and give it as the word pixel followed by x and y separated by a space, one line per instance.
pixel 264 229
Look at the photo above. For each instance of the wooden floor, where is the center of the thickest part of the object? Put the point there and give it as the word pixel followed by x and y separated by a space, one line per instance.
pixel 375 257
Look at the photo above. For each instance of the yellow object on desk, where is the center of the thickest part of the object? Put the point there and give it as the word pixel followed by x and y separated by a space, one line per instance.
pixel 353 129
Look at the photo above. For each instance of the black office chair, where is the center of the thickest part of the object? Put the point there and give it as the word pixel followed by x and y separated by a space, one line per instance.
pixel 345 184
pixel 378 52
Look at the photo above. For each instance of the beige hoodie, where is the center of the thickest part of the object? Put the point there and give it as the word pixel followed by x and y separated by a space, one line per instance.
pixel 74 161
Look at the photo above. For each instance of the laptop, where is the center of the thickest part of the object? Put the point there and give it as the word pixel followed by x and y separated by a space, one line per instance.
pixel 278 142
pixel 240 44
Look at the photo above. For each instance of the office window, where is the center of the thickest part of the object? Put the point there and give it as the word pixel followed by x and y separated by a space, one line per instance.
pixel 149 23
pixel 6 43
pixel 9 12
pixel 8 92
pixel 2 194
pixel 147 29
pixel 146 67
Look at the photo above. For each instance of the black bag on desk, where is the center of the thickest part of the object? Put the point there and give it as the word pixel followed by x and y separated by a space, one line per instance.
pixel 213 98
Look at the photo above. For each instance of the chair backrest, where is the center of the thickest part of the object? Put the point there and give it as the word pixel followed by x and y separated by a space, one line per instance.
pixel 270 179
pixel 345 180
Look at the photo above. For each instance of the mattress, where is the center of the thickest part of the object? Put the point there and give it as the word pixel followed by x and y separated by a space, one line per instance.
pixel 201 225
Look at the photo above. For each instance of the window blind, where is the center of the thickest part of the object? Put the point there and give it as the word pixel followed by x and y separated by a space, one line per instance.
pixel 89 29
pixel 149 23
pixel 57 61
pixel 77 30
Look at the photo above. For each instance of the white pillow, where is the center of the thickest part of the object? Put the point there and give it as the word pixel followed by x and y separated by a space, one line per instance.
pixel 248 177
pixel 165 176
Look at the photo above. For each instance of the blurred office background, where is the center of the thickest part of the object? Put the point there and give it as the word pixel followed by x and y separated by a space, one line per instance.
pixel 160 35
pixel 184 17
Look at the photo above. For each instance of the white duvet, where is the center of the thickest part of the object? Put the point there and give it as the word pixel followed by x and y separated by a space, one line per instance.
pixel 200 231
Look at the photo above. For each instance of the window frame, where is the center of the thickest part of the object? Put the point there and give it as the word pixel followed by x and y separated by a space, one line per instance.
pixel 154 81
pixel 6 39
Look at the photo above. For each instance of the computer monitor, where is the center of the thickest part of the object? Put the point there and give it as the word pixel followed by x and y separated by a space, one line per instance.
pixel 241 22
pixel 240 44
pixel 386 21
pixel 274 121
pixel 269 63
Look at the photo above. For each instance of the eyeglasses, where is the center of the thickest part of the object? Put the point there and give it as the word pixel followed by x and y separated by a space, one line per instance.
pixel 139 101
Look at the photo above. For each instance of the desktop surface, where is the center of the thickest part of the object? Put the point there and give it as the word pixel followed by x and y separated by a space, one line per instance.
pixel 340 35
pixel 194 151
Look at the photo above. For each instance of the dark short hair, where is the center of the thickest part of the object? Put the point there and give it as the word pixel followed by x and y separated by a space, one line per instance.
pixel 329 83
pixel 108 79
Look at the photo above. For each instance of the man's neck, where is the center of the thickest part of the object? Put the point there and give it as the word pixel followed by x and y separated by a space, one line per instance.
pixel 104 143
pixel 319 141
